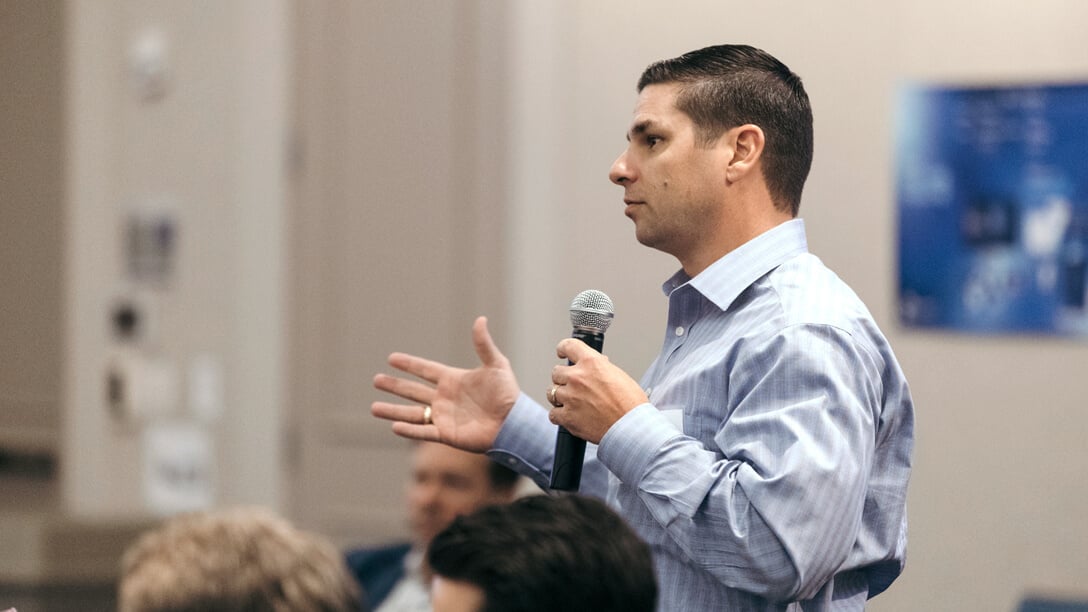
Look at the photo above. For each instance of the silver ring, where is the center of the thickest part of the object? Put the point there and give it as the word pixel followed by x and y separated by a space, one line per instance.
pixel 427 415
pixel 551 396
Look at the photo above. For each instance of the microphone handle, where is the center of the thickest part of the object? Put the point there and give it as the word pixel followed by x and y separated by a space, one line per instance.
pixel 570 450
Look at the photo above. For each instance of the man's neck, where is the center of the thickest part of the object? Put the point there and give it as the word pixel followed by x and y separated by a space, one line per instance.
pixel 733 237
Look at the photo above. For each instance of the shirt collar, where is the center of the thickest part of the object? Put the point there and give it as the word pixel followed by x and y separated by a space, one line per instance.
pixel 722 281
pixel 413 562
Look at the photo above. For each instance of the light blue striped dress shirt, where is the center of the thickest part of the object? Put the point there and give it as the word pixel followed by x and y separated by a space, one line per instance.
pixel 769 469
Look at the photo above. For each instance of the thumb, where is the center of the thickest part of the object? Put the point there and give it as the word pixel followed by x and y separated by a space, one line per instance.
pixel 486 350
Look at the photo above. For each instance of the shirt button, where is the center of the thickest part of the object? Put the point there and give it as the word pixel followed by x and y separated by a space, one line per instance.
pixel 680 330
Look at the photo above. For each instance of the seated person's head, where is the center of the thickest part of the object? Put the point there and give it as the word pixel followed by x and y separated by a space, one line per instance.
pixel 238 559
pixel 541 553
pixel 447 483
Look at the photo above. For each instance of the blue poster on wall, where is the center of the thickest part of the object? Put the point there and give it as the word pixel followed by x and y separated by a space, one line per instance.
pixel 992 190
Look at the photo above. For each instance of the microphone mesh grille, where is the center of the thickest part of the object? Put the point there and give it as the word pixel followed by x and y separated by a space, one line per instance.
pixel 591 309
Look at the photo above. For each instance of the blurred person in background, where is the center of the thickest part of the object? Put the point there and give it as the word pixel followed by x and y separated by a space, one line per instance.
pixel 445 483
pixel 237 559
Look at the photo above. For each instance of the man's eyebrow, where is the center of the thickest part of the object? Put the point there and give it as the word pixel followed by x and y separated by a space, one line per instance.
pixel 641 128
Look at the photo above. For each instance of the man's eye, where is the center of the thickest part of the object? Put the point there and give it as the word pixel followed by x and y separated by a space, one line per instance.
pixel 652 140
pixel 457 483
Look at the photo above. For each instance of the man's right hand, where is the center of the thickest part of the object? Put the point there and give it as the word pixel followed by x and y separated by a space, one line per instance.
pixel 468 407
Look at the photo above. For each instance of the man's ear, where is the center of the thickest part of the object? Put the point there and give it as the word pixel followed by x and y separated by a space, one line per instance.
pixel 747 141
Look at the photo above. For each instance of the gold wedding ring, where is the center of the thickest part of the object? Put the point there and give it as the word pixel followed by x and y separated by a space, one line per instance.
pixel 551 396
pixel 427 415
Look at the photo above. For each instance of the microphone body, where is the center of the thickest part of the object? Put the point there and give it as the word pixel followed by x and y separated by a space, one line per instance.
pixel 591 314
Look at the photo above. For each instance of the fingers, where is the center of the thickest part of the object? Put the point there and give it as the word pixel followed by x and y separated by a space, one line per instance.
pixel 573 350
pixel 551 395
pixel 432 371
pixel 427 433
pixel 560 350
pixel 410 390
pixel 554 415
pixel 426 369
pixel 561 374
pixel 408 421
pixel 409 414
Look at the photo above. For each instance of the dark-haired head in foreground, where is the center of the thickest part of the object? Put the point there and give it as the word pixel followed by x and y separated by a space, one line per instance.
pixel 542 554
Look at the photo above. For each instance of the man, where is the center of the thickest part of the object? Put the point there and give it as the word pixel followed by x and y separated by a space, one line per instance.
pixel 766 453
pixel 234 559
pixel 446 483
pixel 542 554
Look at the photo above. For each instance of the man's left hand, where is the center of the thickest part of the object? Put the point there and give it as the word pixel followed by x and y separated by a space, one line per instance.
pixel 592 393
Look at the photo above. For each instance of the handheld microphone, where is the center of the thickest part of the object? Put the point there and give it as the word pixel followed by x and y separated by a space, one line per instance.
pixel 590 314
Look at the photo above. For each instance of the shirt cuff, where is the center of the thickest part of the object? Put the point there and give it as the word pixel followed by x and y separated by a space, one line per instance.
pixel 632 442
pixel 526 441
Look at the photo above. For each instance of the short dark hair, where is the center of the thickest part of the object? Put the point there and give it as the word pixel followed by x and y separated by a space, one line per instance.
pixel 542 553
pixel 725 86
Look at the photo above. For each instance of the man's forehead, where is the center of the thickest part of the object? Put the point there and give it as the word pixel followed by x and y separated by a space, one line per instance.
pixel 658 97
pixel 656 108
pixel 450 461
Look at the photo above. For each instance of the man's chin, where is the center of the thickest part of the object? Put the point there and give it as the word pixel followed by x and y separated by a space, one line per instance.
pixel 421 536
pixel 645 238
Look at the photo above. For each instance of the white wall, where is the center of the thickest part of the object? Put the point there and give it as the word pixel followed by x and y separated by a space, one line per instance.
pixel 208 148
pixel 397 204
pixel 1001 477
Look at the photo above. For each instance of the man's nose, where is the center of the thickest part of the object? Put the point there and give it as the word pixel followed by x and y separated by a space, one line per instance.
pixel 425 493
pixel 621 173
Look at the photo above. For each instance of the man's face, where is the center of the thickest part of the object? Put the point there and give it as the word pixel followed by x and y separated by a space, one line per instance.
pixel 674 188
pixel 446 483
pixel 456 596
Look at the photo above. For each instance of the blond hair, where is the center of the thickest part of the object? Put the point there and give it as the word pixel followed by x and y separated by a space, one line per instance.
pixel 237 559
